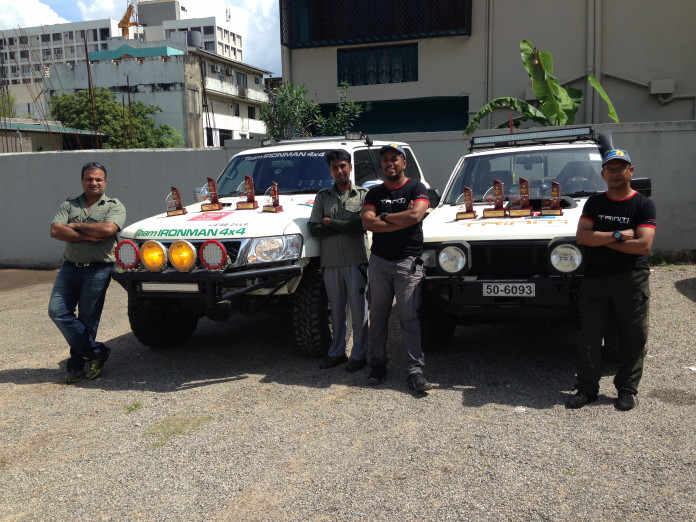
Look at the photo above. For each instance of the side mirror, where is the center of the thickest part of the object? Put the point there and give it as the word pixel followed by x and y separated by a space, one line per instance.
pixel 642 185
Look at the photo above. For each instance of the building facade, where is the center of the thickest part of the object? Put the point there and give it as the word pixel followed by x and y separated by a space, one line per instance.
pixel 428 65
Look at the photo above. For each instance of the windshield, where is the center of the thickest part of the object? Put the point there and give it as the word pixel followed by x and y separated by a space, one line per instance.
pixel 296 172
pixel 576 169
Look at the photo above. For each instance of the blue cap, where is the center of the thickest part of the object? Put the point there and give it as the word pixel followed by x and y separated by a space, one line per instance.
pixel 394 146
pixel 616 154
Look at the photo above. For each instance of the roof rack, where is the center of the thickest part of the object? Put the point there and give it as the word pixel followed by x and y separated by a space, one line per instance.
pixel 547 136
pixel 318 139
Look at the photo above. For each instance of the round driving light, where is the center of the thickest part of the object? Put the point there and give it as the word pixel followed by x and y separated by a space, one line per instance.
pixel 127 255
pixel 268 249
pixel 213 254
pixel 566 258
pixel 451 259
pixel 154 256
pixel 182 256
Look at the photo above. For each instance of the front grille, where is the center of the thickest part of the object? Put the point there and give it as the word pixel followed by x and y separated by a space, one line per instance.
pixel 508 259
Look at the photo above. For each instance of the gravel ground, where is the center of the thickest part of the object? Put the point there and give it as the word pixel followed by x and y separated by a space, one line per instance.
pixel 234 425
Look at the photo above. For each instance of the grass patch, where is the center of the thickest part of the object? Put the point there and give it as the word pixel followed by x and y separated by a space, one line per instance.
pixel 174 425
pixel 133 406
pixel 677 257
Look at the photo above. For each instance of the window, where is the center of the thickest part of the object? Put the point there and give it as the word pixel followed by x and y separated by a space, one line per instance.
pixel 26 70
pixel 241 79
pixel 257 80
pixel 239 40
pixel 208 29
pixel 45 38
pixel 196 29
pixel 104 47
pixel 378 65
pixel 45 54
pixel 58 53
pixel 104 33
pixel 10 41
pixel 57 37
pixel 24 40
pixel 235 109
pixel 225 134
pixel 24 55
pixel 209 46
pixel 251 112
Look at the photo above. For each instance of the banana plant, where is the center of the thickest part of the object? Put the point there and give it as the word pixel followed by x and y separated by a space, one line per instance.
pixel 557 104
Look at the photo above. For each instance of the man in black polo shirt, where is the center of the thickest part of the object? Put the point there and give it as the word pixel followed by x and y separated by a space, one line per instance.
pixel 618 227
pixel 393 212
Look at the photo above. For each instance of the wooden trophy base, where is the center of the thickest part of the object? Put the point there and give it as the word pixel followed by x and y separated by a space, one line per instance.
pixel 494 213
pixel 272 208
pixel 520 212
pixel 465 215
pixel 551 212
pixel 247 205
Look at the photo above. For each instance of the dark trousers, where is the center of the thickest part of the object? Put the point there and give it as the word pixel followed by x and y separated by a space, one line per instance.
pixel 623 299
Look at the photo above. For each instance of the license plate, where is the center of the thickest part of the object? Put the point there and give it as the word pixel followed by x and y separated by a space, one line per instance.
pixel 508 289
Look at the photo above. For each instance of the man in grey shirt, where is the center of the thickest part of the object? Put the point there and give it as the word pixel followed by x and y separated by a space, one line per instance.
pixel 336 220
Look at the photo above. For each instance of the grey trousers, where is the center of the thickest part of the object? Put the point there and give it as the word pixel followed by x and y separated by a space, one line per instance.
pixel 400 279
pixel 347 286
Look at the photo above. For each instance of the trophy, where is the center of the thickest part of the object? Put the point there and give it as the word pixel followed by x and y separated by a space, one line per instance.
pixel 468 212
pixel 524 209
pixel 275 199
pixel 555 208
pixel 498 199
pixel 250 203
pixel 178 209
pixel 213 195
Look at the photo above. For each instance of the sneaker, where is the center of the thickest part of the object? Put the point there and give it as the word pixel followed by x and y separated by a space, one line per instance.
pixel 417 382
pixel 74 376
pixel 377 373
pixel 580 399
pixel 96 364
pixel 355 364
pixel 331 362
pixel 626 401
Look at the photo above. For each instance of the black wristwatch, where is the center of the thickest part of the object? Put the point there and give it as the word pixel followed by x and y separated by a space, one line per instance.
pixel 617 235
pixel 383 217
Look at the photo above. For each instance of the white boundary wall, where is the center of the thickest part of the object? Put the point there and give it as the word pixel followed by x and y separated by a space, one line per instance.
pixel 32 185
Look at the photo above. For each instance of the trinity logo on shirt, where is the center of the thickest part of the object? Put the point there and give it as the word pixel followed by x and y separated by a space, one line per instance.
pixel 614 219
pixel 401 201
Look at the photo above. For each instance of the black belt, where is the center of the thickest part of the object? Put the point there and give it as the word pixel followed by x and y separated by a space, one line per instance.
pixel 91 263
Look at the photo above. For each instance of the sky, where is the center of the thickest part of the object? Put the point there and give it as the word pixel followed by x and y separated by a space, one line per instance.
pixel 256 20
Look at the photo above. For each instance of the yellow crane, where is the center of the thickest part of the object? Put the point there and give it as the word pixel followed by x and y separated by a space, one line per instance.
pixel 126 21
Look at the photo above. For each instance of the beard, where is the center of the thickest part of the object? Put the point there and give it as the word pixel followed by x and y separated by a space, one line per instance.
pixel 393 177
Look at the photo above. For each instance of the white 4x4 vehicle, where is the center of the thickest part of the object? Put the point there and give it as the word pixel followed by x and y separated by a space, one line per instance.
pixel 508 269
pixel 215 263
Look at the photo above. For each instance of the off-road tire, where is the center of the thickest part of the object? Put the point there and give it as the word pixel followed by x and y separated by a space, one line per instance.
pixel 160 323
pixel 310 313
pixel 437 329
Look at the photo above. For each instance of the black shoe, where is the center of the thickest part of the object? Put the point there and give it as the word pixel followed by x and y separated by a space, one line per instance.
pixel 355 364
pixel 626 401
pixel 377 373
pixel 579 400
pixel 96 364
pixel 74 376
pixel 332 362
pixel 417 382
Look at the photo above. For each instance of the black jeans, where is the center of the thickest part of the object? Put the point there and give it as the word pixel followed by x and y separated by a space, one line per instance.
pixel 624 299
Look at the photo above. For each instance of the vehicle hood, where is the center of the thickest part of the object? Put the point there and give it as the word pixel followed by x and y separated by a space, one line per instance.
pixel 441 225
pixel 228 223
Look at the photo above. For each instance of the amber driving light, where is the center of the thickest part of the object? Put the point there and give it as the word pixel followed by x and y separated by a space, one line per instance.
pixel 154 256
pixel 182 256
pixel 127 255
pixel 213 255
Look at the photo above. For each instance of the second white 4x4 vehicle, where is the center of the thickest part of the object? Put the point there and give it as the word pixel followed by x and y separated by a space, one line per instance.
pixel 237 259
pixel 511 264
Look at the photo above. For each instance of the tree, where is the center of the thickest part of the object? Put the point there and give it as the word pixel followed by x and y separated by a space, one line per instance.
pixel 122 127
pixel 289 114
pixel 558 105
pixel 7 105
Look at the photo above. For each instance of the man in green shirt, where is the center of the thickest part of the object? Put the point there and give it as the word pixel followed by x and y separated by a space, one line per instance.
pixel 336 220
pixel 88 225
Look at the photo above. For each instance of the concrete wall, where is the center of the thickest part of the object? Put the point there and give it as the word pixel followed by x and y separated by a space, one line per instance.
pixel 32 185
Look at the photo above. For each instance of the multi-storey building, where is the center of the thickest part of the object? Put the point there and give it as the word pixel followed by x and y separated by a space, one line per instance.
pixel 428 65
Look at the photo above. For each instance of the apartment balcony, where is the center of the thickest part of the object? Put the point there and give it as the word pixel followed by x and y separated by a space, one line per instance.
pixel 226 87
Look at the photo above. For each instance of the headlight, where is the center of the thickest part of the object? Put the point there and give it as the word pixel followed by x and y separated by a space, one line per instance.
pixel 565 257
pixel 451 259
pixel 127 255
pixel 213 255
pixel 182 256
pixel 275 248
pixel 154 256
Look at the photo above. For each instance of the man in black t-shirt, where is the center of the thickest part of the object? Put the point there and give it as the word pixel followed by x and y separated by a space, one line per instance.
pixel 393 212
pixel 618 227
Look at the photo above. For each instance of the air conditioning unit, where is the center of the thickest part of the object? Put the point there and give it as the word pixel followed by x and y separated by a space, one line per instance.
pixel 215 68
pixel 229 71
